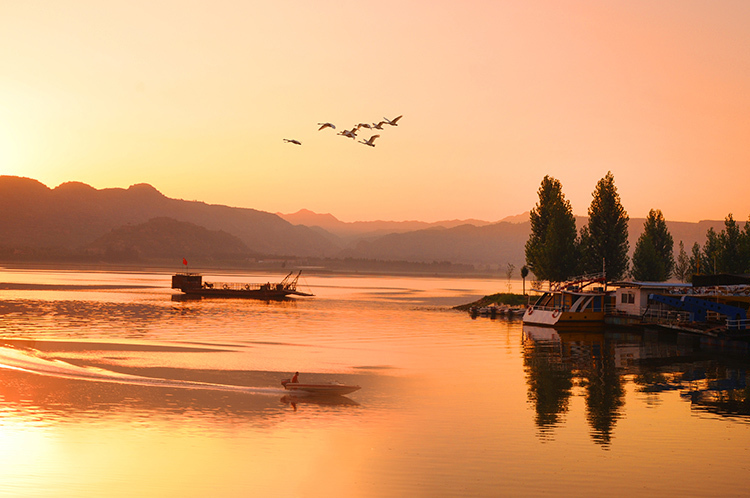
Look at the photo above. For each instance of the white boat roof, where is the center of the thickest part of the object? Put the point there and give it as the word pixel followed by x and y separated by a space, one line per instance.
pixel 653 285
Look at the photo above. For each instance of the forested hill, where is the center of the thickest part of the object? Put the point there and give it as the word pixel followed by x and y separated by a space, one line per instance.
pixel 74 215
pixel 496 244
pixel 37 221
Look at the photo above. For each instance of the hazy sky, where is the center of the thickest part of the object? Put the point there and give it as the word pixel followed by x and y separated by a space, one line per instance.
pixel 196 97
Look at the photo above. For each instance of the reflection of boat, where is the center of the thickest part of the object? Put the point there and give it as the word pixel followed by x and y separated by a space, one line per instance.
pixel 294 399
pixel 494 310
pixel 570 304
pixel 329 389
pixel 540 334
pixel 192 284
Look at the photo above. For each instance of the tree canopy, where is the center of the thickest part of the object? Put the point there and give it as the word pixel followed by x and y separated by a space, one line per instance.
pixel 653 259
pixel 552 249
pixel 682 265
pixel 604 241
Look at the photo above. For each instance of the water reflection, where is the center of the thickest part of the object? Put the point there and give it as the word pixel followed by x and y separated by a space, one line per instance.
pixel 549 378
pixel 599 365
pixel 604 387
pixel 48 400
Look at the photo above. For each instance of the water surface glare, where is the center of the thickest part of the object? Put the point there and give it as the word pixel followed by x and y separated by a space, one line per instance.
pixel 109 387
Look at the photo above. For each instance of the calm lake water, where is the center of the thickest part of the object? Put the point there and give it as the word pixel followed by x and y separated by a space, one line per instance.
pixel 109 387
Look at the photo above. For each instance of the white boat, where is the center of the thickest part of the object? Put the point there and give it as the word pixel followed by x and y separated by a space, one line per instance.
pixel 571 304
pixel 331 388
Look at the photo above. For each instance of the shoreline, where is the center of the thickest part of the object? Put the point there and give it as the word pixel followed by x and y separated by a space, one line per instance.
pixel 234 269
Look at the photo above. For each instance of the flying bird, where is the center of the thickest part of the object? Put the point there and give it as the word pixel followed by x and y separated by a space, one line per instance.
pixel 378 126
pixel 363 125
pixel 393 121
pixel 349 133
pixel 292 141
pixel 369 141
pixel 326 125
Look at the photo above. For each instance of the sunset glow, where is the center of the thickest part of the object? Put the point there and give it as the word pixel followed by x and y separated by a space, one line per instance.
pixel 196 99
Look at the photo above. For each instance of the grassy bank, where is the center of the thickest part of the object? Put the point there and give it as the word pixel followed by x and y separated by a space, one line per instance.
pixel 502 298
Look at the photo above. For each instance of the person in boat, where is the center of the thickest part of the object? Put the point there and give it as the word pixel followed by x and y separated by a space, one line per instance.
pixel 294 378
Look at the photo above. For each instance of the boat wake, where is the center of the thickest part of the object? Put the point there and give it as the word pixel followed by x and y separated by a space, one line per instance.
pixel 27 361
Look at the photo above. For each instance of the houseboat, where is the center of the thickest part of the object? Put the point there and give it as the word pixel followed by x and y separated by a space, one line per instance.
pixel 697 308
pixel 580 302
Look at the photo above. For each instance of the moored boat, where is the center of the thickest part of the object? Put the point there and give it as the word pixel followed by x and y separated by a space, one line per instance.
pixel 571 304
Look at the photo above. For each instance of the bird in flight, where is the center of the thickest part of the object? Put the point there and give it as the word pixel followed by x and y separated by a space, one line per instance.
pixel 369 141
pixel 292 141
pixel 392 122
pixel 378 126
pixel 349 133
pixel 326 125
pixel 363 125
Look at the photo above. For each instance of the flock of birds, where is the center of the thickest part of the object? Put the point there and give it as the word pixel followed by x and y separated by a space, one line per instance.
pixel 353 132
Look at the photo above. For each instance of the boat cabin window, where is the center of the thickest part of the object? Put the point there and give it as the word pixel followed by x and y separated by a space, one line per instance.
pixel 627 298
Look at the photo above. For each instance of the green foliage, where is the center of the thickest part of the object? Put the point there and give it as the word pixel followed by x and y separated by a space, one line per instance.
pixel 695 261
pixel 727 251
pixel 653 259
pixel 745 246
pixel 730 251
pixel 505 298
pixel 682 266
pixel 605 239
pixel 552 250
pixel 710 255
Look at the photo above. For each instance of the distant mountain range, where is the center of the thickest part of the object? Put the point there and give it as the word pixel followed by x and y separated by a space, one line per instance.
pixel 368 229
pixel 76 221
pixel 74 215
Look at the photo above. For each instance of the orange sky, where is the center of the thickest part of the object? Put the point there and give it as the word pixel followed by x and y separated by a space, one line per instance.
pixel 196 97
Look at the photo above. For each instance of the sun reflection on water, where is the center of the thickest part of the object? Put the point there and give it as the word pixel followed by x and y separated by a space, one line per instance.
pixel 130 393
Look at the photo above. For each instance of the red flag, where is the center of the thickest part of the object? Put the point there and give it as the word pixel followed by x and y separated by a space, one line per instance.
pixel 184 261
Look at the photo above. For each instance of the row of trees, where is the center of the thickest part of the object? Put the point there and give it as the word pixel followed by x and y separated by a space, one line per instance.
pixel 725 252
pixel 556 251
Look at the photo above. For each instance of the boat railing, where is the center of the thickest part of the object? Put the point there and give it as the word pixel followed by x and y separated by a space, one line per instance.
pixel 547 308
pixel 235 286
pixel 611 309
pixel 664 316
pixel 738 324
pixel 596 309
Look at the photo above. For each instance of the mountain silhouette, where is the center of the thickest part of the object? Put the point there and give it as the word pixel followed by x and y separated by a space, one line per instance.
pixel 357 230
pixel 75 220
pixel 74 215
pixel 161 238
pixel 494 244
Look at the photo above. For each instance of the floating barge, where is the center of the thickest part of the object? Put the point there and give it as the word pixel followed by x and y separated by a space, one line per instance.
pixel 192 285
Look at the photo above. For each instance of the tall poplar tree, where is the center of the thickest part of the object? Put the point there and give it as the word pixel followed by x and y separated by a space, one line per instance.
pixel 745 247
pixel 682 265
pixel 730 257
pixel 695 261
pixel 604 242
pixel 653 259
pixel 552 249
pixel 711 253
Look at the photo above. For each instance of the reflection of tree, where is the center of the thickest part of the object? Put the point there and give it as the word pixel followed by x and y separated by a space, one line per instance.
pixel 604 393
pixel 550 382
pixel 595 362
pixel 725 391
pixel 729 403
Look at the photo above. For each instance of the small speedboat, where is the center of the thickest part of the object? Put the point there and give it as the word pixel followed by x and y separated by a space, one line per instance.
pixel 331 388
